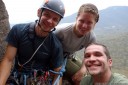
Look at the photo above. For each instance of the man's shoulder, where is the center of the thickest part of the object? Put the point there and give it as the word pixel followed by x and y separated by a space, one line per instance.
pixel 22 26
pixel 119 76
pixel 54 39
pixel 19 25
pixel 119 79
pixel 64 28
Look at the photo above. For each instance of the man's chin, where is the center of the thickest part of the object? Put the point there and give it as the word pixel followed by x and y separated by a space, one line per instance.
pixel 93 73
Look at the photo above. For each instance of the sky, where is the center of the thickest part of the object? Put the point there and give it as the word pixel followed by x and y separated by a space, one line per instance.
pixel 26 10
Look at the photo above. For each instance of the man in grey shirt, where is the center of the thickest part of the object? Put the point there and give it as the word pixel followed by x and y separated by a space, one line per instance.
pixel 77 36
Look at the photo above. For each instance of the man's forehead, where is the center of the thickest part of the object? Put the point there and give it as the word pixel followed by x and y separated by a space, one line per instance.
pixel 94 48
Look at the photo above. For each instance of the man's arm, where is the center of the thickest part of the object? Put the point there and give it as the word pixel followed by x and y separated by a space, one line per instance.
pixel 6 63
pixel 56 75
pixel 79 74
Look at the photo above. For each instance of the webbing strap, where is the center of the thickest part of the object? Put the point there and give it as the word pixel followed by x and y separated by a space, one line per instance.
pixel 25 79
pixel 60 73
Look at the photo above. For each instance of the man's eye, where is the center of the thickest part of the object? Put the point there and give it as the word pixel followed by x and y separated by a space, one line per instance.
pixel 86 56
pixel 46 15
pixel 98 54
pixel 81 21
pixel 56 19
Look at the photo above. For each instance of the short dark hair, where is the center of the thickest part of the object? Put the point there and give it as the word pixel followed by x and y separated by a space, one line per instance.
pixel 106 51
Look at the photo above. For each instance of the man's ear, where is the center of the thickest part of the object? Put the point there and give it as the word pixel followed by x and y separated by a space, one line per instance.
pixel 110 62
pixel 39 12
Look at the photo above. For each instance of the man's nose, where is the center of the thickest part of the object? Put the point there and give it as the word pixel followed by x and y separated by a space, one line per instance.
pixel 84 25
pixel 92 58
pixel 50 20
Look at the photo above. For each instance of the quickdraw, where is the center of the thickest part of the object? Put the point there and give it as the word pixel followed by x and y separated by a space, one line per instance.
pixel 37 77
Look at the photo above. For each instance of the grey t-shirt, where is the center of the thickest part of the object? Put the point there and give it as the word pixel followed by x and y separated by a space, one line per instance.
pixel 70 42
pixel 116 79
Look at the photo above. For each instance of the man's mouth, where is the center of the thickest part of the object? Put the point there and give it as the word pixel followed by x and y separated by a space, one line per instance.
pixel 94 65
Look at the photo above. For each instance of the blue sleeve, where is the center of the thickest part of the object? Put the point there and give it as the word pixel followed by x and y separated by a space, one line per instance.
pixel 12 37
pixel 15 34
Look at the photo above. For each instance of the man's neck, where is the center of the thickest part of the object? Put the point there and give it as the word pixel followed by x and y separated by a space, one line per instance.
pixel 102 79
pixel 40 33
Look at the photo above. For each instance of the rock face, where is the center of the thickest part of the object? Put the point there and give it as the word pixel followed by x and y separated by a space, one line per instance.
pixel 4 27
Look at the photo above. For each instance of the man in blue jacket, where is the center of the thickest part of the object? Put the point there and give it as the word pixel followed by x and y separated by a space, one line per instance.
pixel 34 46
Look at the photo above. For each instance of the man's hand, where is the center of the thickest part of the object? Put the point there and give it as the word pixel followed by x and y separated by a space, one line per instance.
pixel 76 78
